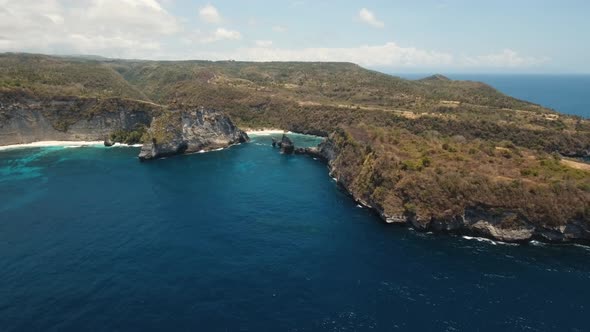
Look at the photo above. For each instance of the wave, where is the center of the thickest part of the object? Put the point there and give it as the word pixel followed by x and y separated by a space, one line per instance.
pixel 123 145
pixel 585 247
pixel 490 241
pixel 537 243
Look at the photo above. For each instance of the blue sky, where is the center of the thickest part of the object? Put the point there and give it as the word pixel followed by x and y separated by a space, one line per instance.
pixel 401 36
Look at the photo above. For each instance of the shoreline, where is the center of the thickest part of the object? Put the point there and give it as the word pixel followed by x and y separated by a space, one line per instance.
pixel 40 144
pixel 65 144
pixel 466 230
pixel 264 132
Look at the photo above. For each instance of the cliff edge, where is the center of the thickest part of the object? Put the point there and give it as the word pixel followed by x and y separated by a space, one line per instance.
pixel 523 197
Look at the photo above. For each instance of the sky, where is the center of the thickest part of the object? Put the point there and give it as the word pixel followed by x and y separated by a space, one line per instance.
pixel 452 36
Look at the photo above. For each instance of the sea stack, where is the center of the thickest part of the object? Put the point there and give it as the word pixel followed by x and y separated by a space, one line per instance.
pixel 286 145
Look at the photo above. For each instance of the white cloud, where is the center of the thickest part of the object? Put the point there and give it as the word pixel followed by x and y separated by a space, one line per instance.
pixel 297 3
pixel 263 43
pixel 368 17
pixel 387 55
pixel 218 34
pixel 114 27
pixel 279 28
pixel 222 33
pixel 210 14
pixel 505 59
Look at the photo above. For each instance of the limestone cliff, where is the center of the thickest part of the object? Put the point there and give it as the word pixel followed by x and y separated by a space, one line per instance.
pixel 25 119
pixel 186 131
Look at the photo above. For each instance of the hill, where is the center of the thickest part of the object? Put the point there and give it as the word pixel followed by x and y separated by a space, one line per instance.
pixel 47 76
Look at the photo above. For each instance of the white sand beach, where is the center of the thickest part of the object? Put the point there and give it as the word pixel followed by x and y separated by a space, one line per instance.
pixel 264 132
pixel 51 143
pixel 65 144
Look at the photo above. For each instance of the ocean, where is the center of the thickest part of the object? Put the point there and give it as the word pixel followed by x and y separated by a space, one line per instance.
pixel 246 239
pixel 563 93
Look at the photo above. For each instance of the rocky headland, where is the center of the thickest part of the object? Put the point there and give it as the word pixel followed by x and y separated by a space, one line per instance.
pixel 188 131
pixel 500 222
pixel 25 118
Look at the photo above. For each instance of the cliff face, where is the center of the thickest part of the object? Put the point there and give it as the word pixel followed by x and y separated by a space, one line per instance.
pixel 25 120
pixel 358 172
pixel 187 131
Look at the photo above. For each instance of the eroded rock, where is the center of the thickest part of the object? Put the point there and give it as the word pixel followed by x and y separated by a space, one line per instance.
pixel 188 131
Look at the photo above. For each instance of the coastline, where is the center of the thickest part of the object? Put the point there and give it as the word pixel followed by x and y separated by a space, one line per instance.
pixel 51 143
pixel 65 144
pixel 479 228
pixel 265 132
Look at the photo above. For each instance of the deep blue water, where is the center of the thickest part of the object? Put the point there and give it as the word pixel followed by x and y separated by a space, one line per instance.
pixel 568 94
pixel 246 239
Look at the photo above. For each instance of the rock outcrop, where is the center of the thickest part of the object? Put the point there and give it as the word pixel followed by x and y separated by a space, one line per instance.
pixel 108 141
pixel 325 151
pixel 187 131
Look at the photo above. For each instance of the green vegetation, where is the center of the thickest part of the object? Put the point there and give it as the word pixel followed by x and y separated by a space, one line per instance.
pixel 129 136
pixel 404 173
pixel 162 127
pixel 48 76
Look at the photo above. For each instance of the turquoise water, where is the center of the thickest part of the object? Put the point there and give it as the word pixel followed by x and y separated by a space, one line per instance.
pixel 564 93
pixel 246 239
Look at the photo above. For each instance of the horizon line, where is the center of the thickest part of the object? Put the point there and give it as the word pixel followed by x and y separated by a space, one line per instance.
pixel 426 71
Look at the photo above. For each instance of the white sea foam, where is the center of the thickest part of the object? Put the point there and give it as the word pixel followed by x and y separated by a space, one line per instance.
pixel 123 145
pixel 537 243
pixel 480 239
pixel 483 239
pixel 581 246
